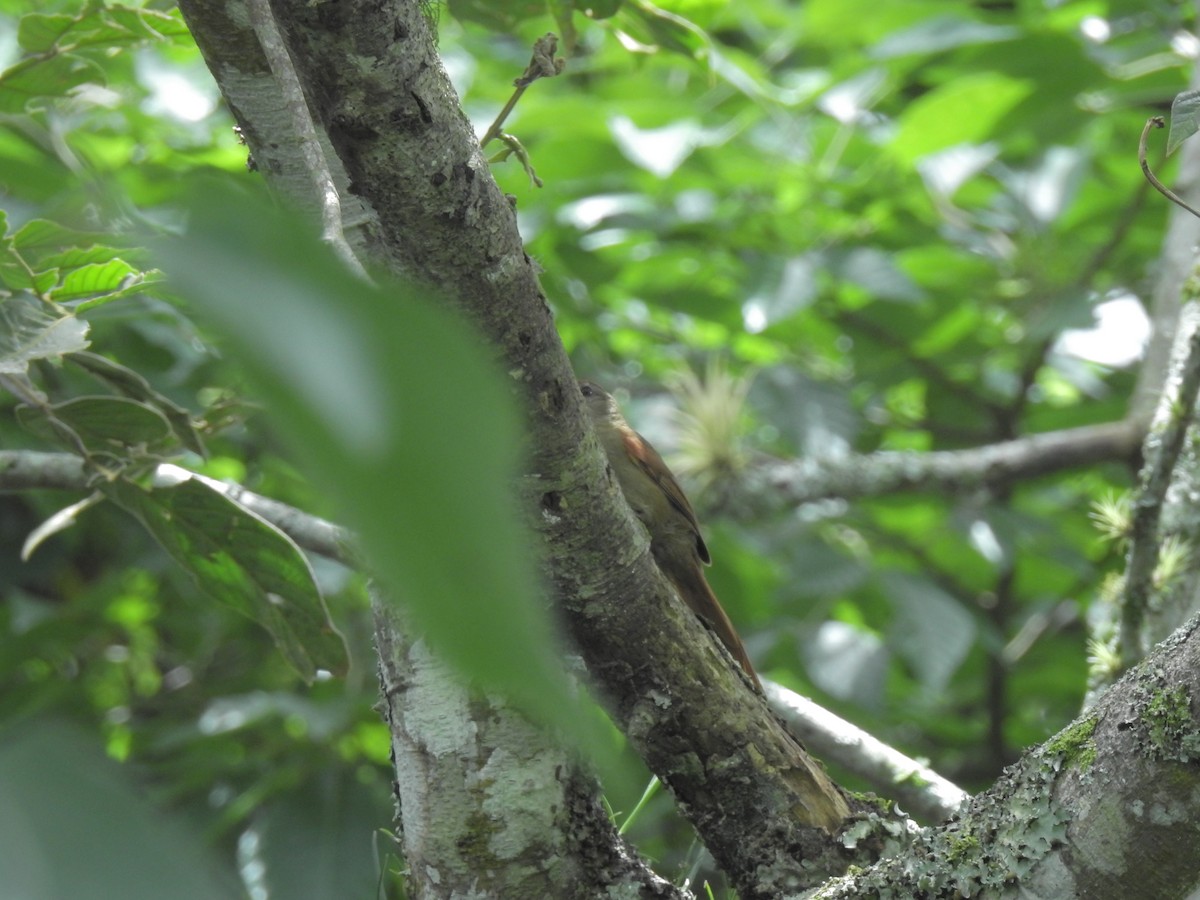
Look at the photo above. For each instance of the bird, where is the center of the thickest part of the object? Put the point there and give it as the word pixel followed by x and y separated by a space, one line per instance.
pixel 660 504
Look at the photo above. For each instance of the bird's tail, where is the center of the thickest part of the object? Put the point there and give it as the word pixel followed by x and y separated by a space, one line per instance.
pixel 693 588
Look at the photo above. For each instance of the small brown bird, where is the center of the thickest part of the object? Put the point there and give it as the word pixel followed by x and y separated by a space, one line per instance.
pixel 658 501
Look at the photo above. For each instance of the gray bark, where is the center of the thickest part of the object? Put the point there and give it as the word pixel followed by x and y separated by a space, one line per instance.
pixel 488 806
pixel 1109 807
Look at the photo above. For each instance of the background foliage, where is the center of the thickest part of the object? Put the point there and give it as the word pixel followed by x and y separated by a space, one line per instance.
pixel 879 219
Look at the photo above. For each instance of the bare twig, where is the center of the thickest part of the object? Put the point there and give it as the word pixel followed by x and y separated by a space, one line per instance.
pixel 1157 122
pixel 542 65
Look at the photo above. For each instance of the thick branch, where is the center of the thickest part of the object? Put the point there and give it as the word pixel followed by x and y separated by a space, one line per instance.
pixel 273 121
pixel 1125 775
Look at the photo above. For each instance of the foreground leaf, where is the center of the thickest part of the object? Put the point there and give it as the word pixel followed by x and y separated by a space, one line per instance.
pixel 75 824
pixel 401 420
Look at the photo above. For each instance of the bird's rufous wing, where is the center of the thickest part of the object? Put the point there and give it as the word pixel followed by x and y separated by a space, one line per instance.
pixel 642 452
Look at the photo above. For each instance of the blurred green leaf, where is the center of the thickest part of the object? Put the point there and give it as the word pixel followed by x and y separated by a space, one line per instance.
pixel 39 33
pixel 42 79
pixel 28 332
pixel 932 631
pixel 400 416
pixel 98 25
pixel 506 15
pixel 73 825
pixel 966 110
pixel 323 843
pixel 943 32
pixel 38 236
pixel 1185 119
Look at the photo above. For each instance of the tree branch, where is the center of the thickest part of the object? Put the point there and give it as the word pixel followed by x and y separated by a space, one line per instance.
pixel 1123 775
pixel 793 482
pixel 1176 414
pixel 316 164
pixel 891 773
pixel 479 787
pixel 25 470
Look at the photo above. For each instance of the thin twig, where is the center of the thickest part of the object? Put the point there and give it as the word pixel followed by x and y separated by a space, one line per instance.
pixel 1164 447
pixel 1157 122
pixel 541 65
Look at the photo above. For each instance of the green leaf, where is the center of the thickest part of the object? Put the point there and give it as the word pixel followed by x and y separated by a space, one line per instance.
pixel 600 9
pixel 243 561
pixel 966 110
pixel 131 384
pixel 943 32
pixel 38 236
pixel 35 79
pixel 1185 119
pixel 75 256
pixel 401 418
pixel 130 25
pixel 38 33
pixel 92 279
pixel 875 272
pixel 78 825
pixel 503 17
pixel 43 281
pixel 315 844
pixel 97 26
pixel 28 333
pixel 932 631
pixel 101 422
pixel 136 285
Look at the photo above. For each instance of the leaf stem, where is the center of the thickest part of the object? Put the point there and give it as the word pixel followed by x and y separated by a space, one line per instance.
pixel 1157 122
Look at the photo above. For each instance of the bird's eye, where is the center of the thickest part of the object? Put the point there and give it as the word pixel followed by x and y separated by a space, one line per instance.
pixel 586 390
